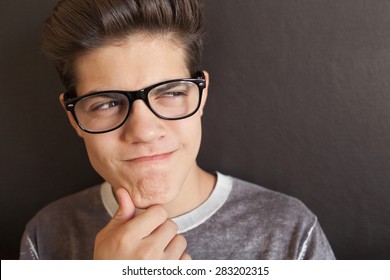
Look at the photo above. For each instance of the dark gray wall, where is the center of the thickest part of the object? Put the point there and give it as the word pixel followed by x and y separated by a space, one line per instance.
pixel 299 102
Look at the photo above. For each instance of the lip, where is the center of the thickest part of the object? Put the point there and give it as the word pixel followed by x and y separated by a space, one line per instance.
pixel 152 158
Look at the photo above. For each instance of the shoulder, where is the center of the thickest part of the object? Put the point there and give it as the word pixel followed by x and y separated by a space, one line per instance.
pixel 69 222
pixel 83 201
pixel 279 224
pixel 68 210
pixel 258 199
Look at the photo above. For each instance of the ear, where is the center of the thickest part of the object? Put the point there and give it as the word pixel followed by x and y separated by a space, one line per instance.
pixel 70 117
pixel 205 92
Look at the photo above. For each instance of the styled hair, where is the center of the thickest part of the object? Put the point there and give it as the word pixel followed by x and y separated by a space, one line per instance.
pixel 78 26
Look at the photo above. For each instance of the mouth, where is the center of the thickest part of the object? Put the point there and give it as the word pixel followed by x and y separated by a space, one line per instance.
pixel 151 158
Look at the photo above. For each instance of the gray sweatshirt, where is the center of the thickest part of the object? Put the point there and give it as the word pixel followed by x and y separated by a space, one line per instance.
pixel 239 220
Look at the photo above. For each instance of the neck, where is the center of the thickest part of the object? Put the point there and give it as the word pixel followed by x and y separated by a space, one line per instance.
pixel 196 189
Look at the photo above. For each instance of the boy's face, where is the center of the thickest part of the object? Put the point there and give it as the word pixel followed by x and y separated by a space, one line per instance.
pixel 154 159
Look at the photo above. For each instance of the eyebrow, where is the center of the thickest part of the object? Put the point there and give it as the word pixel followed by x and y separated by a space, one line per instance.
pixel 107 94
pixel 170 85
pixel 160 88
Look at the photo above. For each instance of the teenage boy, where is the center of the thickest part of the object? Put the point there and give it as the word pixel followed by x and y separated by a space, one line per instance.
pixel 135 95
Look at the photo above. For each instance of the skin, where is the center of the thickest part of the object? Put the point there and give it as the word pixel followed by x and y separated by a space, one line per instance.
pixel 150 162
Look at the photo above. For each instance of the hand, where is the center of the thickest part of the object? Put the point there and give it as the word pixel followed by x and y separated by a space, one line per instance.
pixel 149 235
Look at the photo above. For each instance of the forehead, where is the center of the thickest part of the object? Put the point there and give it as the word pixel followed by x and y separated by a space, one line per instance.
pixel 134 63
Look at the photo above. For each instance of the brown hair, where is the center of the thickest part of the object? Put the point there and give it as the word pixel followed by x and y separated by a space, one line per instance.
pixel 77 26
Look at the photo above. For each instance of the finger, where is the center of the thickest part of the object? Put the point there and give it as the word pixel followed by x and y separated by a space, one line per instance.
pixel 150 219
pixel 163 235
pixel 185 257
pixel 125 211
pixel 176 248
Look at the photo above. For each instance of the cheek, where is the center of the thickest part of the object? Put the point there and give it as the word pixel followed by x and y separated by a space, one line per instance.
pixel 99 152
pixel 191 134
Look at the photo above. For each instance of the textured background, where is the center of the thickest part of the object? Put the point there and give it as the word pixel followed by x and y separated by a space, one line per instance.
pixel 299 103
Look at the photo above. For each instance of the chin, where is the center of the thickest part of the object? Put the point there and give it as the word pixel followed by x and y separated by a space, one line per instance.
pixel 148 192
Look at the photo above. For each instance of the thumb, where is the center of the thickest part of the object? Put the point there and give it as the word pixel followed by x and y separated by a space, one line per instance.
pixel 126 208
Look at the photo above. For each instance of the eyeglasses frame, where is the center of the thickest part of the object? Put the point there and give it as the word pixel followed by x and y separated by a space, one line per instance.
pixel 142 94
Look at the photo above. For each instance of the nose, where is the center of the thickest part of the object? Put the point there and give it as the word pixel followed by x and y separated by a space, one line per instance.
pixel 142 125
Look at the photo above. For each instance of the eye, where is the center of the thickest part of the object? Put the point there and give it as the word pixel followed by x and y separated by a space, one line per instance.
pixel 171 94
pixel 101 103
pixel 106 105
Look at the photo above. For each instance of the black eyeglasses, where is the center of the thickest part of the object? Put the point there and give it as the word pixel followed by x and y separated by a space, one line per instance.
pixel 104 111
